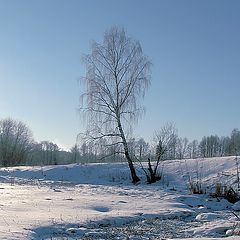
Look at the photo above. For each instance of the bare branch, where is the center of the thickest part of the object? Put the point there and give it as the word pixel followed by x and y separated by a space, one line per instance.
pixel 117 76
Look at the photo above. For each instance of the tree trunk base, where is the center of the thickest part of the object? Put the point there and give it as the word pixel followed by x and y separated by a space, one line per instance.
pixel 135 179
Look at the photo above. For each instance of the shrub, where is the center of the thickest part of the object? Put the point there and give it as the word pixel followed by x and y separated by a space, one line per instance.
pixel 226 192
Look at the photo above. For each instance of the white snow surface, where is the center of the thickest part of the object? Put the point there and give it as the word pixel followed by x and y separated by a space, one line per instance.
pixel 93 201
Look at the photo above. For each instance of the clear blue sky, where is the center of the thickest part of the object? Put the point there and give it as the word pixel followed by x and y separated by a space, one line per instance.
pixel 194 47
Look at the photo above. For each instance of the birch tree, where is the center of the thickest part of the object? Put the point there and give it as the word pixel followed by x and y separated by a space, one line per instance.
pixel 117 75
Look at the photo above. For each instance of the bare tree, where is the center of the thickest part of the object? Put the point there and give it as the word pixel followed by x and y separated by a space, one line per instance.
pixel 193 149
pixel 117 75
pixel 182 144
pixel 210 146
pixel 165 140
pixel 142 149
pixel 15 142
pixel 49 151
pixel 235 142
pixel 75 153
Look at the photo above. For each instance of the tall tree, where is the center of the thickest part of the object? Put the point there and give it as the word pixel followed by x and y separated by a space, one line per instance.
pixel 15 142
pixel 210 146
pixel 117 75
pixel 182 144
pixel 193 149
pixel 75 153
pixel 49 152
pixel 235 142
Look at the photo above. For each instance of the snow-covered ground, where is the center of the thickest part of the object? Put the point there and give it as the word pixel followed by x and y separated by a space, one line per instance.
pixel 98 201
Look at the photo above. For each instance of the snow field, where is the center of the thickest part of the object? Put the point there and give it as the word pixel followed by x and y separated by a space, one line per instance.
pixel 96 201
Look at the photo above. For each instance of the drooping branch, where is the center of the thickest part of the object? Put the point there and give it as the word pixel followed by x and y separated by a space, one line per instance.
pixel 116 77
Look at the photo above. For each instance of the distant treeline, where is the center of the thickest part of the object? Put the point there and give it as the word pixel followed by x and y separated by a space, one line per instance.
pixel 177 148
pixel 17 147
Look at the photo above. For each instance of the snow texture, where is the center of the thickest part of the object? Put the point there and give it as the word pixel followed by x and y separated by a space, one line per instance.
pixel 98 201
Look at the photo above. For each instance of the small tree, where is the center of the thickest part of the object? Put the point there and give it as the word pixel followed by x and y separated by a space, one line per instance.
pixel 117 75
pixel 165 142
